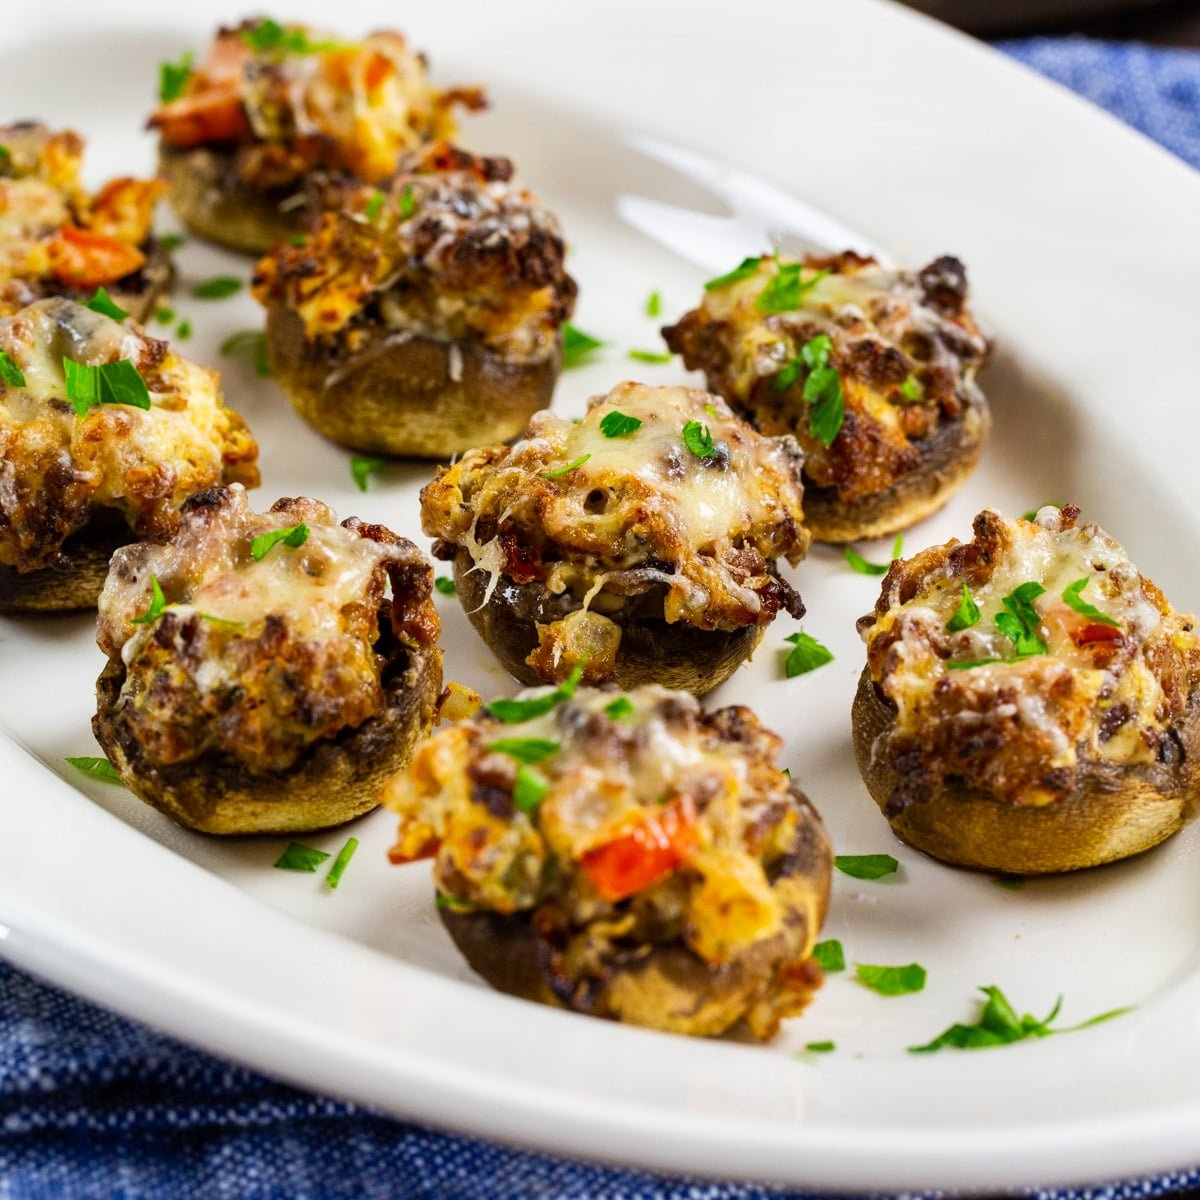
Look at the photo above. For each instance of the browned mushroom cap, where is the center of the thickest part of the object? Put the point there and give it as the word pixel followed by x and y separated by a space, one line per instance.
pixel 666 986
pixel 946 457
pixel 216 203
pixel 411 395
pixel 336 780
pixel 1114 811
pixel 627 648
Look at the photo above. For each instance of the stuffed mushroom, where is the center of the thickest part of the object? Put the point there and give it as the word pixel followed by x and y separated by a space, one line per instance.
pixel 259 680
pixel 104 433
pixel 623 855
pixel 56 239
pixel 242 132
pixel 872 369
pixel 640 542
pixel 1031 702
pixel 425 317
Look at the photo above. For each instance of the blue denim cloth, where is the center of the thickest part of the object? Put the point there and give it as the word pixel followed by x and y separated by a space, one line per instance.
pixel 94 1106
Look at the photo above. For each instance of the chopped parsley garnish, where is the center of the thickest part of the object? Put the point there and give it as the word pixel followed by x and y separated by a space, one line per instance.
pixel 170 241
pixel 999 1025
pixel 829 956
pixel 362 468
pixel 698 439
pixel 969 663
pixel 965 615
pixel 1009 882
pixel 294 535
pixel 577 345
pixel 743 270
pixel 653 304
pixel 221 622
pixel 822 390
pixel 567 469
pixel 526 750
pixel 253 340
pixel 618 424
pixel 1020 622
pixel 269 36
pixel 453 903
pixel 860 564
pixel 785 289
pixel 866 866
pixel 5 157
pixel 374 207
pixel 158 603
pixel 96 768
pixel 12 375
pixel 298 239
pixel 530 789
pixel 300 858
pixel 806 654
pixel 219 287
pixel 650 356
pixel 104 383
pixel 446 585
pixel 911 388
pixel 513 712
pixel 622 706
pixel 172 77
pixel 407 203
pixel 820 1047
pixel 166 316
pixel 345 854
pixel 1073 599
pixel 184 330
pixel 102 302
pixel 891 981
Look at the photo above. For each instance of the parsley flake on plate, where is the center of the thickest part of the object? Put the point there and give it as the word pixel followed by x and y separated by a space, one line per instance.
pixel 866 866
pixel 806 654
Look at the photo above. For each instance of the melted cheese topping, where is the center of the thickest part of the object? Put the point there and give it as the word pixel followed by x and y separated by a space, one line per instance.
pixel 57 468
pixel 1100 691
pixel 639 511
pixel 453 249
pixel 905 360
pixel 258 658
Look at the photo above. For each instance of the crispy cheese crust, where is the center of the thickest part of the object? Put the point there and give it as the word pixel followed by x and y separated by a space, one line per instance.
pixel 904 344
pixel 698 793
pixel 255 660
pixel 58 470
pixel 285 101
pixel 451 249
pixel 56 238
pixel 640 512
pixel 1108 691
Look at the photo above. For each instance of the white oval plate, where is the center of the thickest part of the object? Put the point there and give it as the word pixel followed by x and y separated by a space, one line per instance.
pixel 1082 244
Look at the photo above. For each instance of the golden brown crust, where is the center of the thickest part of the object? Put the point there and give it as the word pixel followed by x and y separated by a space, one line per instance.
pixel 1112 813
pixel 414 396
pixel 666 986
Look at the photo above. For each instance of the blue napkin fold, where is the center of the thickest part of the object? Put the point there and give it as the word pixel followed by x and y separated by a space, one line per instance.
pixel 94 1106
